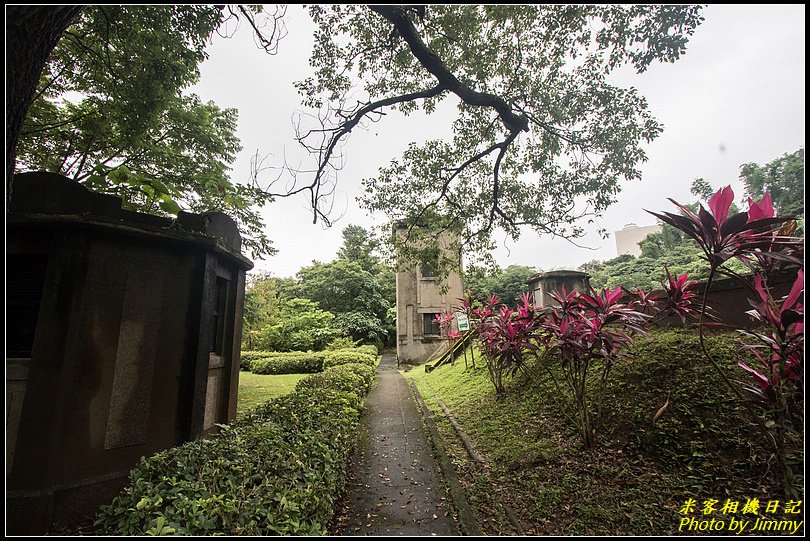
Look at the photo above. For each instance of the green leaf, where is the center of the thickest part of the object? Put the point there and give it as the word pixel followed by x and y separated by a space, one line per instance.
pixel 167 204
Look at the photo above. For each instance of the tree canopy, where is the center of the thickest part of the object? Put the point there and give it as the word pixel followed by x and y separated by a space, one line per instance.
pixel 110 112
pixel 356 290
pixel 359 246
pixel 508 284
pixel 783 178
pixel 541 139
pixel 670 247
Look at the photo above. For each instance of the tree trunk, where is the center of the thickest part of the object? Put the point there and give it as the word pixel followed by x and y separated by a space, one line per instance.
pixel 31 34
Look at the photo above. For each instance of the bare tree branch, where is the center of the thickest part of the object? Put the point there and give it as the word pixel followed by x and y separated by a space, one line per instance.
pixel 333 136
pixel 267 40
pixel 40 128
pixel 349 118
pixel 495 209
pixel 398 16
pixel 456 171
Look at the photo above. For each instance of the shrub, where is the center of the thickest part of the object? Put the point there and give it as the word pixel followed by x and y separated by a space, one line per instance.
pixel 343 342
pixel 350 377
pixel 301 362
pixel 292 362
pixel 369 349
pixel 588 334
pixel 276 471
pixel 301 326
pixel 766 245
pixel 503 335
pixel 336 358
pixel 247 358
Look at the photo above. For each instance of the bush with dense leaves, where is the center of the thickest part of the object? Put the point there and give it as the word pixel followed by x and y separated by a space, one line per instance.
pixel 278 470
pixel 346 356
pixel 247 358
pixel 291 362
pixel 342 342
pixel 369 349
pixel 304 362
pixel 350 377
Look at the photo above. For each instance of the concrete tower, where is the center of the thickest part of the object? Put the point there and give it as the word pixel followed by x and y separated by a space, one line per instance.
pixel 421 295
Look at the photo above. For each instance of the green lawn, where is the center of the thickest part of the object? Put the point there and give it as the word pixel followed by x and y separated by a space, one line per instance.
pixel 636 480
pixel 255 389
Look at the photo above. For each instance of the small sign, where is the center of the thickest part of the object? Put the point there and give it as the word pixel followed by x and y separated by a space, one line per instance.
pixel 462 321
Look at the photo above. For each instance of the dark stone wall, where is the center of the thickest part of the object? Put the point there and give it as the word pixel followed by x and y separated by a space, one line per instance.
pixel 730 301
pixel 120 360
pixel 727 298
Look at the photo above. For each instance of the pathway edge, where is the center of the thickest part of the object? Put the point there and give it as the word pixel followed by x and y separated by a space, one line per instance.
pixel 467 522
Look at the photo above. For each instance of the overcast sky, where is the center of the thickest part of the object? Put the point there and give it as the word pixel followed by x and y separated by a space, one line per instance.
pixel 737 96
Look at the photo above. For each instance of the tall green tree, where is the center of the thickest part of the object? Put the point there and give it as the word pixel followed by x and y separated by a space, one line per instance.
pixel 508 284
pixel 704 191
pixel 783 178
pixel 539 125
pixel 31 34
pixel 656 245
pixel 357 287
pixel 359 246
pixel 341 286
pixel 262 308
pixel 110 112
pixel 362 247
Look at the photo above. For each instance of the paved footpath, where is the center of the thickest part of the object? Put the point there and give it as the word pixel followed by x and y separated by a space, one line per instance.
pixel 395 486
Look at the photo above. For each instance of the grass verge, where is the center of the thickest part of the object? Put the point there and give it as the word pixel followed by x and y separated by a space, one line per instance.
pixel 636 481
pixel 255 389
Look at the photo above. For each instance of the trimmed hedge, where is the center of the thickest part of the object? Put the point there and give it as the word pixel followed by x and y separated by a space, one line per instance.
pixel 252 355
pixel 304 362
pixel 352 377
pixel 337 358
pixel 278 470
pixel 369 349
pixel 291 362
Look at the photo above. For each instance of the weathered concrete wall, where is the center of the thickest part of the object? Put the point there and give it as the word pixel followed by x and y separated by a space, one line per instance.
pixel 542 284
pixel 730 301
pixel 419 297
pixel 121 357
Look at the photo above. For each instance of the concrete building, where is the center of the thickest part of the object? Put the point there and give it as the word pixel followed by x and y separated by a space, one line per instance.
pixel 123 336
pixel 630 235
pixel 420 297
pixel 542 284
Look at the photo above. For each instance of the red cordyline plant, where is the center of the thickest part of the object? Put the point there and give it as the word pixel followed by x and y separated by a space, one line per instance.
pixel 766 245
pixel 504 335
pixel 780 348
pixel 587 333
pixel 445 321
pixel 681 300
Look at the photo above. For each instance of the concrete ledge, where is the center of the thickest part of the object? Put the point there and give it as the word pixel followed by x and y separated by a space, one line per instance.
pixel 474 455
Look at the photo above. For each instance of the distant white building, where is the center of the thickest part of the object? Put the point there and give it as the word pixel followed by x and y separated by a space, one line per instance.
pixel 627 238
